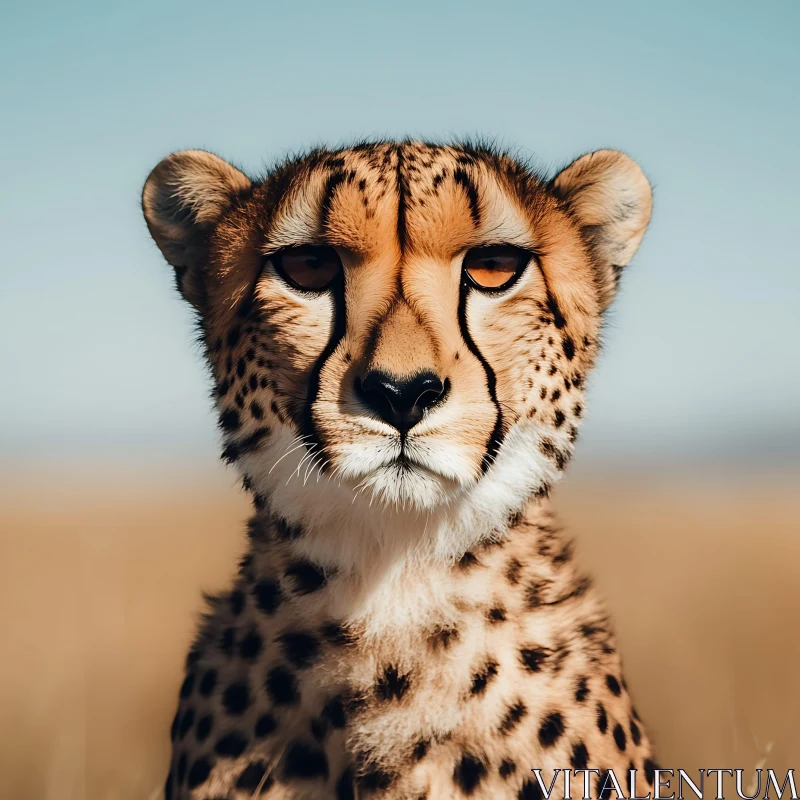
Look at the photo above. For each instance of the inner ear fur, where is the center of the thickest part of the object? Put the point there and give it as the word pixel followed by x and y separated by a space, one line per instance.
pixel 612 200
pixel 183 198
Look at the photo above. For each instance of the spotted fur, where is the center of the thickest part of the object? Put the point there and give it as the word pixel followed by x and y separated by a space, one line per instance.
pixel 408 621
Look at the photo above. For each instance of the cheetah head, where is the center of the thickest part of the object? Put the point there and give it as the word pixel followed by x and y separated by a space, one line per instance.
pixel 398 325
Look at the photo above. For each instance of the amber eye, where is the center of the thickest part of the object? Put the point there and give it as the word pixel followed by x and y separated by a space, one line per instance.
pixel 495 266
pixel 308 267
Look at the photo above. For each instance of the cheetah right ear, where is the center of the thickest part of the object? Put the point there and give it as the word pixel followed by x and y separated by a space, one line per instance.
pixel 612 200
pixel 184 197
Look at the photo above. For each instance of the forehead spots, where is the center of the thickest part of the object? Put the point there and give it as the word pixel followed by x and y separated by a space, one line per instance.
pixel 411 189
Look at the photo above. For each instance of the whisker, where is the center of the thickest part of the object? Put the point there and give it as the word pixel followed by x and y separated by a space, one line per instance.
pixel 310 468
pixel 296 472
pixel 289 452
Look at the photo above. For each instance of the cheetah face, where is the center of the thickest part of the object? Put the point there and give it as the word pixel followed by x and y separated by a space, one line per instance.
pixel 406 323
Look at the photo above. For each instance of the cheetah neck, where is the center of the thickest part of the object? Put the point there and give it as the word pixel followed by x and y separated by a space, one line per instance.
pixel 406 590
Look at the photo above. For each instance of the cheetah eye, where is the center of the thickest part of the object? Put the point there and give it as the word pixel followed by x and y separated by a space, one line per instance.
pixel 496 266
pixel 308 267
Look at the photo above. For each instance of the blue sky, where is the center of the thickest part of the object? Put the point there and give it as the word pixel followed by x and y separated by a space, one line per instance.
pixel 96 351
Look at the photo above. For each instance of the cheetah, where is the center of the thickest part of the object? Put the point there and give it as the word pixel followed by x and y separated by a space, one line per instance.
pixel 399 336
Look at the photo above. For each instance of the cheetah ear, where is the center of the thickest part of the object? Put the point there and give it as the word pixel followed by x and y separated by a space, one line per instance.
pixel 609 194
pixel 183 199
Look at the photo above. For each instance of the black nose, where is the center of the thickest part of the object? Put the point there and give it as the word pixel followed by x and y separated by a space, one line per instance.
pixel 400 401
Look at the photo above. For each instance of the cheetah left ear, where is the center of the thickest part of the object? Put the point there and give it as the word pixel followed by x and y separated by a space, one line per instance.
pixel 183 199
pixel 611 197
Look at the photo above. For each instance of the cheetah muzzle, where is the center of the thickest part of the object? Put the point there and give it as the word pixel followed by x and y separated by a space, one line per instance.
pixel 399 335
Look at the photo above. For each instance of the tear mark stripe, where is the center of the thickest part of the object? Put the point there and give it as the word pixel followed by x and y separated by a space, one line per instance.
pixel 496 438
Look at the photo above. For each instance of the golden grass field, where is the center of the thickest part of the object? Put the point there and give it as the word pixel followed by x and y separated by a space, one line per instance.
pixel 101 571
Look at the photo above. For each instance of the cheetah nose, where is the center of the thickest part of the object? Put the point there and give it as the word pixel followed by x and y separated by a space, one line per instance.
pixel 400 401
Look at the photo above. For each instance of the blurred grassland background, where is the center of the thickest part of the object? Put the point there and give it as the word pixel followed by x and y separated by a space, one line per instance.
pixel 114 513
pixel 100 584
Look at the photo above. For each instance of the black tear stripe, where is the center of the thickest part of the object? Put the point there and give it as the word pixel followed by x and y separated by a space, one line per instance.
pixel 461 178
pixel 497 436
pixel 307 426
